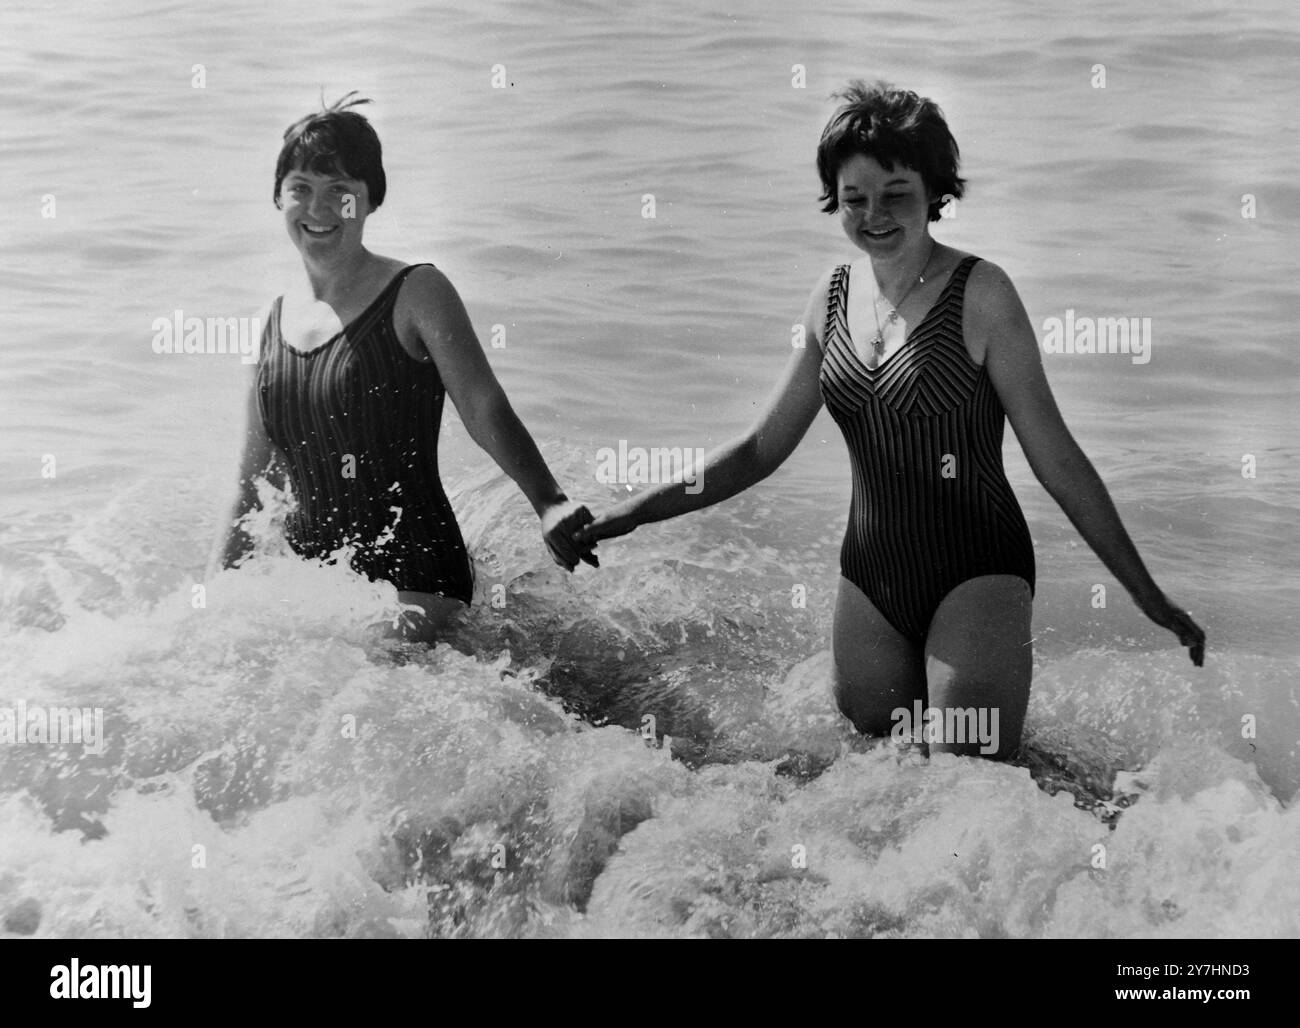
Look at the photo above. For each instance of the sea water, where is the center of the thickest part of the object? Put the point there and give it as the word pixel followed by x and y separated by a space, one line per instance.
pixel 650 748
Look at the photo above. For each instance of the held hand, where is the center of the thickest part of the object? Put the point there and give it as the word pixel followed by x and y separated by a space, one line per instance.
pixel 608 525
pixel 561 524
pixel 1178 621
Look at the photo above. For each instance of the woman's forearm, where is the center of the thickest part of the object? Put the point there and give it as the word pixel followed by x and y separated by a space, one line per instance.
pixel 730 469
pixel 228 543
pixel 498 430
pixel 1080 492
pixel 231 542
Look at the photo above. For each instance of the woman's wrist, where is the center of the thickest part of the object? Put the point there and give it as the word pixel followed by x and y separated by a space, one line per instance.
pixel 1148 595
pixel 551 498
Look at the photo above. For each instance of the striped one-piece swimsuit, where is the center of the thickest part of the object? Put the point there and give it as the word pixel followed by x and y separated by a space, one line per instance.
pixel 357 421
pixel 931 503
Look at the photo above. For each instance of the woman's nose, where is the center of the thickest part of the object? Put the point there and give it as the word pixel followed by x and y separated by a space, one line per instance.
pixel 320 204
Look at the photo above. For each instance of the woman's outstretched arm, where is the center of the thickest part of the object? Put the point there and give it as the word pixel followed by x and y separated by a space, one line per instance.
pixel 997 323
pixel 449 338
pixel 737 464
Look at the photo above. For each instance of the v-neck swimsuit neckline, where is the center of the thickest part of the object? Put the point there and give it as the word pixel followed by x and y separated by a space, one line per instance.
pixel 913 331
pixel 396 280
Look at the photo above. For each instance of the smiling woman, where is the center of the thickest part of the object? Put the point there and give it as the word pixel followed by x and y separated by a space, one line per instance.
pixel 924 353
pixel 346 401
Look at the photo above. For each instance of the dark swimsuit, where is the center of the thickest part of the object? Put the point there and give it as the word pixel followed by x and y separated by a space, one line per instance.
pixel 357 420
pixel 914 533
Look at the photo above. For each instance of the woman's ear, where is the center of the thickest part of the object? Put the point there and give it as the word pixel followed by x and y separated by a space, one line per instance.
pixel 936 204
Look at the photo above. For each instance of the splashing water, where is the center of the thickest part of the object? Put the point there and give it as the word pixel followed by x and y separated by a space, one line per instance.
pixel 274 766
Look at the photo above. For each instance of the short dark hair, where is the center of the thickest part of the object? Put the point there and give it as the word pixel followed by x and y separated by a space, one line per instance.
pixel 334 141
pixel 895 126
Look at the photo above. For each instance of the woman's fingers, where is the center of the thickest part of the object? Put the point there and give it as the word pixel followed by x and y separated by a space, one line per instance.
pixel 1188 631
pixel 557 556
pixel 565 542
pixel 575 546
pixel 603 527
pixel 563 551
pixel 1191 636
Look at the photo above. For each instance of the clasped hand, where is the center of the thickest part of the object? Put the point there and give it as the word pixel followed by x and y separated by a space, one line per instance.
pixel 571 532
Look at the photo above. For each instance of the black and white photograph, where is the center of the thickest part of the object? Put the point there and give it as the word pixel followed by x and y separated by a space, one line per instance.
pixel 598 471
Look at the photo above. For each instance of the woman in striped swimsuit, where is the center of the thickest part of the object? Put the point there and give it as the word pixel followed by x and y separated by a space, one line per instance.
pixel 348 394
pixel 921 353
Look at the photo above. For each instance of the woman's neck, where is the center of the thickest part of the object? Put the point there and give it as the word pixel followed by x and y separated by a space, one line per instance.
pixel 329 280
pixel 897 273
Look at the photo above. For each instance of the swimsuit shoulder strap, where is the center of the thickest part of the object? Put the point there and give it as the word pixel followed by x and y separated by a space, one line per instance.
pixel 389 293
pixel 271 329
pixel 381 307
pixel 835 310
pixel 401 275
pixel 957 283
pixel 387 300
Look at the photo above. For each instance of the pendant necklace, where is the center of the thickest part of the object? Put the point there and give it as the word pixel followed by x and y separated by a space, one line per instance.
pixel 878 344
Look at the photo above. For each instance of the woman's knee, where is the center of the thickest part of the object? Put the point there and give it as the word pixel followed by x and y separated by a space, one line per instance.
pixel 977 731
pixel 979 662
pixel 981 707
pixel 872 705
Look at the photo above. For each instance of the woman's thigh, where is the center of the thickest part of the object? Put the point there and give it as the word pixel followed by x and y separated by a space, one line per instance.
pixel 979 656
pixel 877 668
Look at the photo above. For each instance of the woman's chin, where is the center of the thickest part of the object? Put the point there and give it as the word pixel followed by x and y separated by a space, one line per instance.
pixel 892 245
